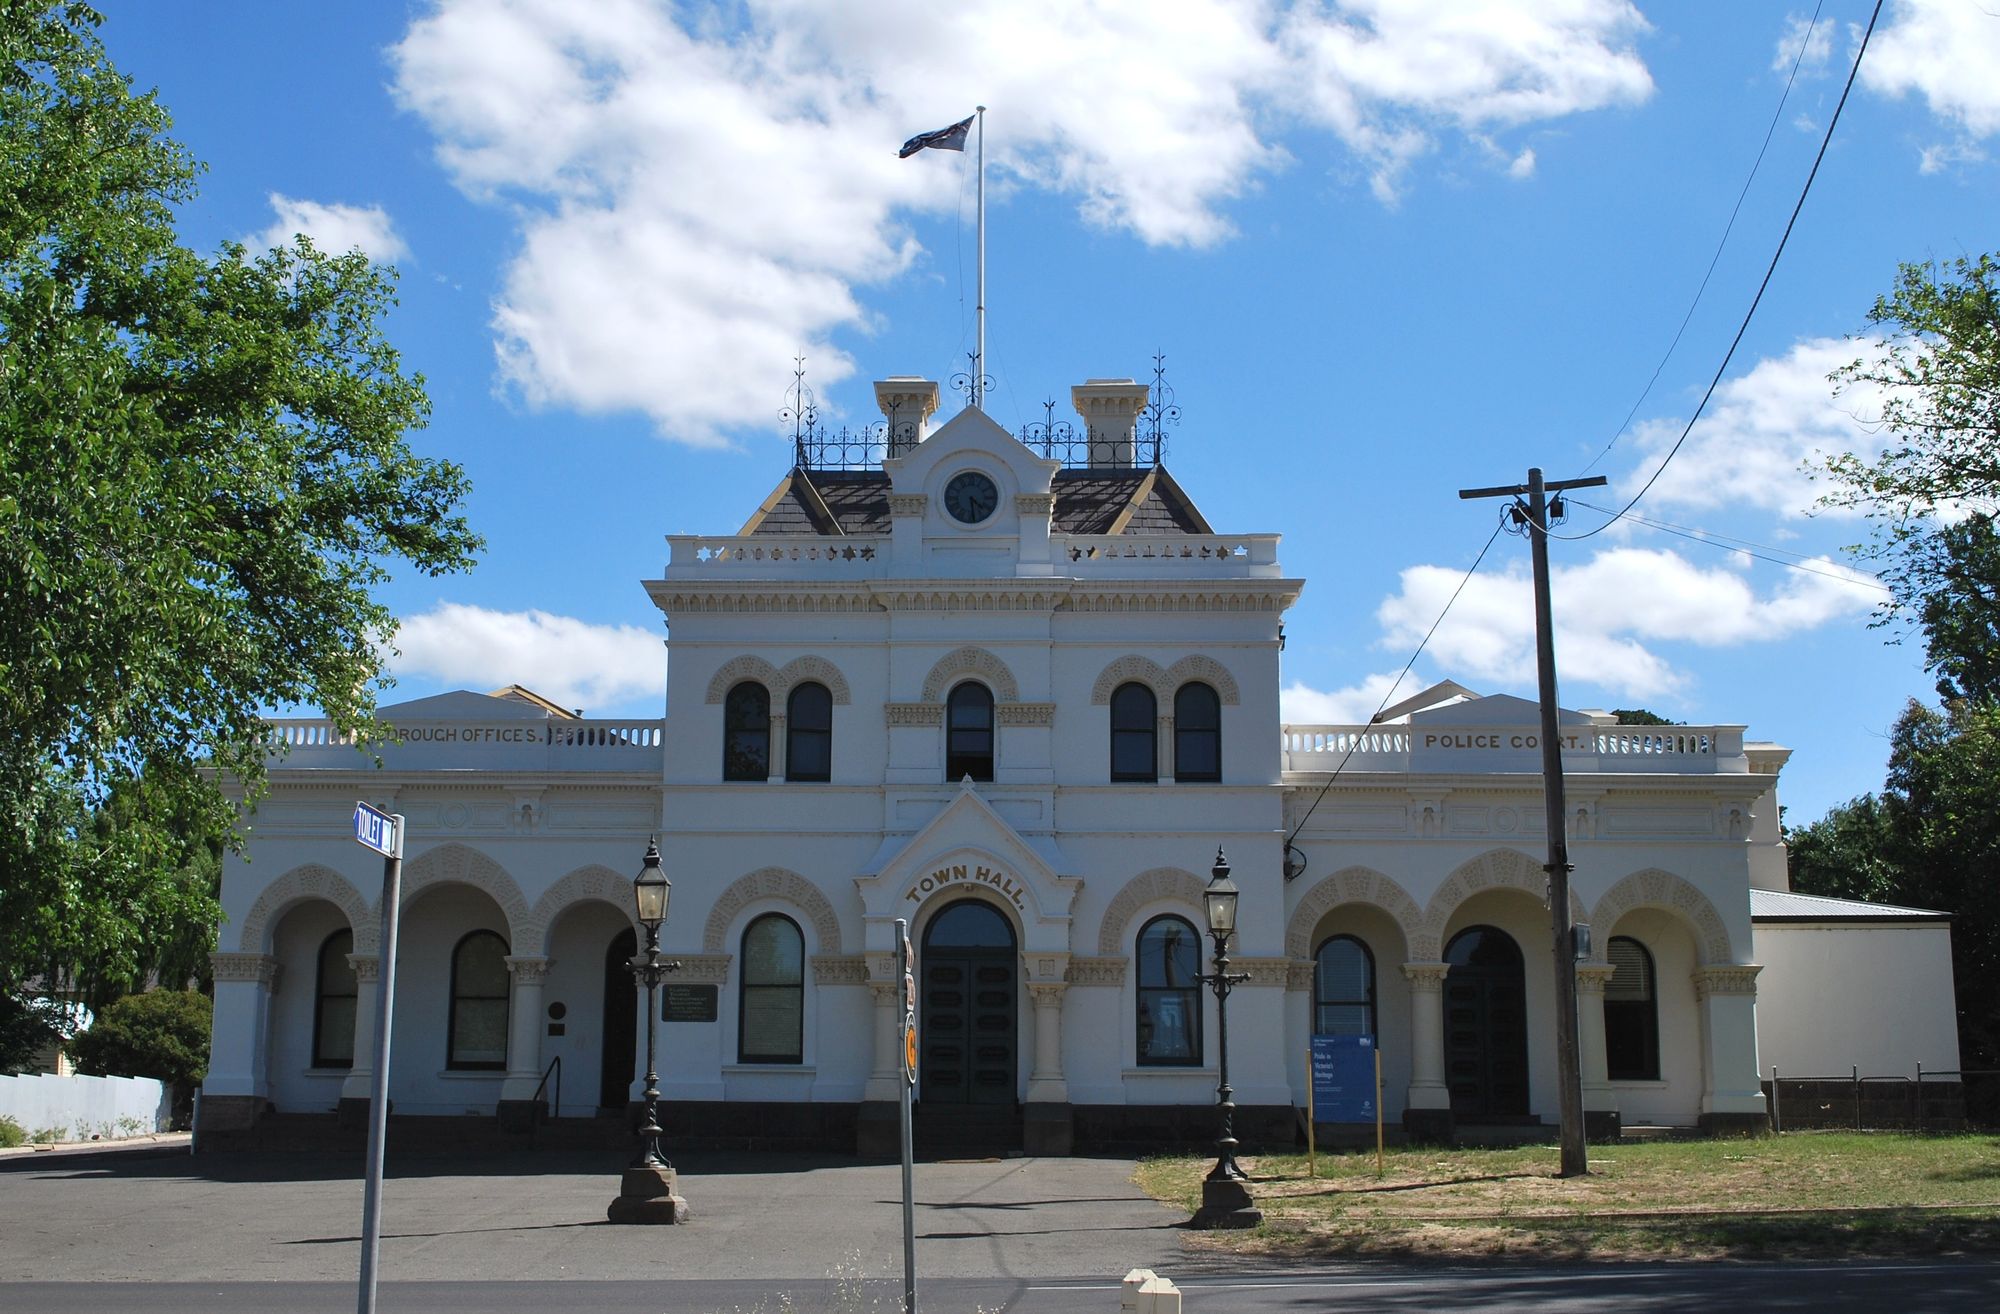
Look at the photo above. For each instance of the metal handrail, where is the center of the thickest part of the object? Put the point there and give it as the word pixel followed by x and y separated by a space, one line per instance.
pixel 555 1068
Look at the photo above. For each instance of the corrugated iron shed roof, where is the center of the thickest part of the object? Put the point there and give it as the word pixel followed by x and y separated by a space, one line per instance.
pixel 1785 906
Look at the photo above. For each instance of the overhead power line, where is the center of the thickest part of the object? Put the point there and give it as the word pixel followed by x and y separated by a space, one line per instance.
pixel 1776 115
pixel 1744 546
pixel 1769 270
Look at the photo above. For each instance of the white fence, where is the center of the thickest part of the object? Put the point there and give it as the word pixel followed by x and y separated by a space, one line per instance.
pixel 78 1108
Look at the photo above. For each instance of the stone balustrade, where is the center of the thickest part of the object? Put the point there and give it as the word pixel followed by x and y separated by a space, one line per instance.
pixel 1438 746
pixel 588 744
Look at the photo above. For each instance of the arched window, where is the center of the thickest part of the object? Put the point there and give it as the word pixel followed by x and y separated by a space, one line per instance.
pixel 772 1013
pixel 1169 996
pixel 809 733
pixel 478 1027
pixel 1343 988
pixel 1631 1014
pixel 1197 733
pixel 746 732
pixel 968 720
pixel 1134 728
pixel 333 1013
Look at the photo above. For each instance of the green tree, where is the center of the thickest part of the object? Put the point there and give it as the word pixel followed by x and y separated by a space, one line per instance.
pixel 1940 376
pixel 203 473
pixel 161 1034
pixel 1930 839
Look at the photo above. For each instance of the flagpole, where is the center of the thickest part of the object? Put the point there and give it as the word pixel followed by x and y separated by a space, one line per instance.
pixel 979 365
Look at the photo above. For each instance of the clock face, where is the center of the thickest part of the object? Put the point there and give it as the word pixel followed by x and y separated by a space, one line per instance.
pixel 970 497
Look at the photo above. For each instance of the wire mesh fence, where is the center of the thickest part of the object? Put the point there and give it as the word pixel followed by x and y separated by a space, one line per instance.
pixel 1921 1100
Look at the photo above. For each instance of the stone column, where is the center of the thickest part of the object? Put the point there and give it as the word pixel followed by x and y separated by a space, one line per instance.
pixel 1048 1125
pixel 237 1088
pixel 1732 1096
pixel 1427 1112
pixel 778 766
pixel 1600 1102
pixel 358 1086
pixel 878 1129
pixel 518 1108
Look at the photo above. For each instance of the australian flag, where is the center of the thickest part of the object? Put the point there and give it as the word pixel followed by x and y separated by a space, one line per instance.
pixel 944 139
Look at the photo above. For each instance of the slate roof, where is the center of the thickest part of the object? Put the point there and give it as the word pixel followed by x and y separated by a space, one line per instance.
pixel 1102 501
pixel 1785 906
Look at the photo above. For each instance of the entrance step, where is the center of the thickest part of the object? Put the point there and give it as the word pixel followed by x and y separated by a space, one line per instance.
pixel 966 1131
pixel 1501 1132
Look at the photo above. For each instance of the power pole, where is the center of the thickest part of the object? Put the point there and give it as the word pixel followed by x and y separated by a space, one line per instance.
pixel 1569 1065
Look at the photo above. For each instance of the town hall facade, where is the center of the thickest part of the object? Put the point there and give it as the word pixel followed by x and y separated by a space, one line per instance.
pixel 1018 698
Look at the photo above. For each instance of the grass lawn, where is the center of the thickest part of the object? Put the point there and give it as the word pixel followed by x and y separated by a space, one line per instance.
pixel 1807 1194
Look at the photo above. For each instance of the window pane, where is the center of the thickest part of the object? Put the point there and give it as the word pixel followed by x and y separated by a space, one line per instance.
pixel 773 1019
pixel 336 1034
pixel 482 967
pixel 479 1032
pixel 809 734
pixel 1344 986
pixel 969 733
pixel 1169 1026
pixel 1632 974
pixel 746 740
pixel 336 974
pixel 773 953
pixel 1169 954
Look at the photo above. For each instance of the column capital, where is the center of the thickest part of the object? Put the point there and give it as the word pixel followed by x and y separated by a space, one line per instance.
pixel 367 967
pixel 1591 978
pixel 529 969
pixel 1426 976
pixel 1047 993
pixel 1729 979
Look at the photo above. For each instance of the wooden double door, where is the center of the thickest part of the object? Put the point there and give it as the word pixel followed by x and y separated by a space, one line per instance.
pixel 1486 1025
pixel 969 1018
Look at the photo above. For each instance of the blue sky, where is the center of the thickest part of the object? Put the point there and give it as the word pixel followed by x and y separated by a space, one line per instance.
pixel 1389 250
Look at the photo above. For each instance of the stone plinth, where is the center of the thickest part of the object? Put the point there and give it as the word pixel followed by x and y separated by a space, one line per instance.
pixel 647 1195
pixel 1226 1203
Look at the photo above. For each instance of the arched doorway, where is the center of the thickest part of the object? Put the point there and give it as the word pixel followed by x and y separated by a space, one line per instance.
pixel 621 1023
pixel 969 972
pixel 1486 1025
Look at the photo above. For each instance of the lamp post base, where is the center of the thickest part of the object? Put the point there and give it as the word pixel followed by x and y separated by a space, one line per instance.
pixel 647 1195
pixel 1226 1203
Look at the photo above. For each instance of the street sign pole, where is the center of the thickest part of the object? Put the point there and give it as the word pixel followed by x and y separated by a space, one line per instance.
pixel 909 1041
pixel 383 833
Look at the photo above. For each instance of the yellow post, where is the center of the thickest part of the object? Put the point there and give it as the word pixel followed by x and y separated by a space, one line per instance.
pixel 1312 1143
pixel 1378 1110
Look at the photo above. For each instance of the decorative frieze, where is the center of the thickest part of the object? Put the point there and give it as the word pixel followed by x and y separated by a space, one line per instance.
pixel 1109 971
pixel 1026 713
pixel 1263 971
pixel 839 969
pixel 1298 974
pixel 1034 504
pixel 907 506
pixel 701 969
pixel 261 968
pixel 914 713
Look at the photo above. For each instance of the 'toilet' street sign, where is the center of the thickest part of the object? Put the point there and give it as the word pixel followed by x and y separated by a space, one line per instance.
pixel 376 829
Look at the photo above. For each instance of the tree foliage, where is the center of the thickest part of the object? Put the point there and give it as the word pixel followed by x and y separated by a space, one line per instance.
pixel 1930 839
pixel 162 1034
pixel 1939 374
pixel 203 470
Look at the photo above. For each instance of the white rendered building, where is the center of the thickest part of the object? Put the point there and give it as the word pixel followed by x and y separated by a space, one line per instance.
pixel 1021 705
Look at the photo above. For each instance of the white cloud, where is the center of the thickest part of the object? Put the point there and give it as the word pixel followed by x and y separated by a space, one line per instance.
pixel 1762 433
pixel 566 660
pixel 702 198
pixel 334 229
pixel 1523 165
pixel 1613 613
pixel 1300 704
pixel 1818 52
pixel 1946 51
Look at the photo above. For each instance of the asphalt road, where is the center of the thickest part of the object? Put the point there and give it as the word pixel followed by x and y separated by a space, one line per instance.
pixel 770 1235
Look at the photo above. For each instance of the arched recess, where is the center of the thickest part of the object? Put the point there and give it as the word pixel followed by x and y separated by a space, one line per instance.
pixel 1653 888
pixel 457 864
pixel 1209 671
pixel 772 883
pixel 738 669
pixel 1498 869
pixel 1352 885
pixel 971 661
pixel 1126 670
pixel 1161 883
pixel 311 881
pixel 800 670
pixel 592 884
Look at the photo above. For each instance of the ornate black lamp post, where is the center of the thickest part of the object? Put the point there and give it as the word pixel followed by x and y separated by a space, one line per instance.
pixel 647 1193
pixel 1225 1193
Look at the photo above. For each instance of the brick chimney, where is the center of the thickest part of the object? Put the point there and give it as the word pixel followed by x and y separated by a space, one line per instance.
pixel 1110 409
pixel 907 403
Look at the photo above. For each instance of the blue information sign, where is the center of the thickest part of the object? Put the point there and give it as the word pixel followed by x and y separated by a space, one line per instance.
pixel 376 830
pixel 1343 1077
